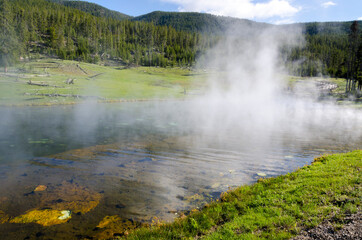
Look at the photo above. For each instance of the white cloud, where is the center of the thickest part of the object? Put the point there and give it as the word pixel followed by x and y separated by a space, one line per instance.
pixel 328 4
pixel 360 18
pixel 239 8
pixel 284 21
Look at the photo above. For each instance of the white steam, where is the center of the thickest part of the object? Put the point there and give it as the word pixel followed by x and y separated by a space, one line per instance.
pixel 248 100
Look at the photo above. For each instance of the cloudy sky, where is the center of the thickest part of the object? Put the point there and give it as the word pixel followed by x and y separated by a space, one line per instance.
pixel 272 11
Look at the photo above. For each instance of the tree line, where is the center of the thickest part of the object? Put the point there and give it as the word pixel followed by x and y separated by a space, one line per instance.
pixel 336 53
pixel 31 27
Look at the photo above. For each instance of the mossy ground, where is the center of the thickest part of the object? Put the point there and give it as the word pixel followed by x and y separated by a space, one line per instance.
pixel 274 208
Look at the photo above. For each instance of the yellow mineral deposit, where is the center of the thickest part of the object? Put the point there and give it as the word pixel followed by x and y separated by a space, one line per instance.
pixel 40 188
pixel 3 217
pixel 70 196
pixel 108 221
pixel 46 218
pixel 85 153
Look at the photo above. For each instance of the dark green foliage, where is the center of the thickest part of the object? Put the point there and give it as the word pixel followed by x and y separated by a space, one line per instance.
pixel 332 49
pixel 197 22
pixel 354 59
pixel 78 30
pixel 326 50
pixel 315 28
pixel 323 54
pixel 53 29
pixel 8 39
pixel 359 65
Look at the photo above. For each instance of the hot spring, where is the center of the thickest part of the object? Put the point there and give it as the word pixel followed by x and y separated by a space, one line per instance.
pixel 64 169
pixel 152 159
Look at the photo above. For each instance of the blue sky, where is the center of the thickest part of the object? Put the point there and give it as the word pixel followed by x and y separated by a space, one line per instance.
pixel 272 11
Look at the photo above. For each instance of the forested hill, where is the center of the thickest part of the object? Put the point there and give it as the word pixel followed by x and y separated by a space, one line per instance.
pixel 214 25
pixel 92 8
pixel 314 28
pixel 31 28
pixel 327 49
pixel 205 23
pixel 202 22
pixel 197 22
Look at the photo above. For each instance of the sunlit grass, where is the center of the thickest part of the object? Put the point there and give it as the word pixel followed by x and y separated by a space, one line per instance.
pixel 275 208
pixel 108 83
pixel 99 82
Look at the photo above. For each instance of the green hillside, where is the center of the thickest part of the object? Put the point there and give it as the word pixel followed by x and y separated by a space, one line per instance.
pixel 77 30
pixel 34 28
pixel 197 22
pixel 92 8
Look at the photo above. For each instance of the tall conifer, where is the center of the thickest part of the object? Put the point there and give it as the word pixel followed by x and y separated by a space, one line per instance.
pixel 8 39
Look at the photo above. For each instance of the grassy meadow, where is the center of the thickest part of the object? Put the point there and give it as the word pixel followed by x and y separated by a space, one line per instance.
pixel 101 83
pixel 48 78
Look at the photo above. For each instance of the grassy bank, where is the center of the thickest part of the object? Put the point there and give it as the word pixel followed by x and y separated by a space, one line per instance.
pixel 44 82
pixel 274 208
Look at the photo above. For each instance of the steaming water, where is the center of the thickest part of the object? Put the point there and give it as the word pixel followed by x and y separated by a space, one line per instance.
pixel 148 159
pixel 156 159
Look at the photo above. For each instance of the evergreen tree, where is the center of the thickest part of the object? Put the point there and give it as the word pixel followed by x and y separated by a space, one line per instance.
pixel 352 63
pixel 8 38
pixel 359 65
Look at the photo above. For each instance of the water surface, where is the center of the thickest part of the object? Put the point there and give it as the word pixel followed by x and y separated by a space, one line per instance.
pixel 143 160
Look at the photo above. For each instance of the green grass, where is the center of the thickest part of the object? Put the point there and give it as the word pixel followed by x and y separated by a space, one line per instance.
pixel 275 208
pixel 341 83
pixel 102 82
pixel 107 83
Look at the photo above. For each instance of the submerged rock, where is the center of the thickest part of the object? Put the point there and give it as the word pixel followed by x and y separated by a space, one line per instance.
pixel 108 221
pixel 40 188
pixel 195 197
pixel 52 203
pixel 261 174
pixel 113 226
pixel 70 196
pixel 66 215
pixel 215 185
pixel 3 199
pixel 46 218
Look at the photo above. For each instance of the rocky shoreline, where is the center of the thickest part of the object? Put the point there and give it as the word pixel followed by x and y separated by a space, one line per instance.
pixel 351 230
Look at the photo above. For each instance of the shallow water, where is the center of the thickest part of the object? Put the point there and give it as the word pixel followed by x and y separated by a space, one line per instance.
pixel 143 160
